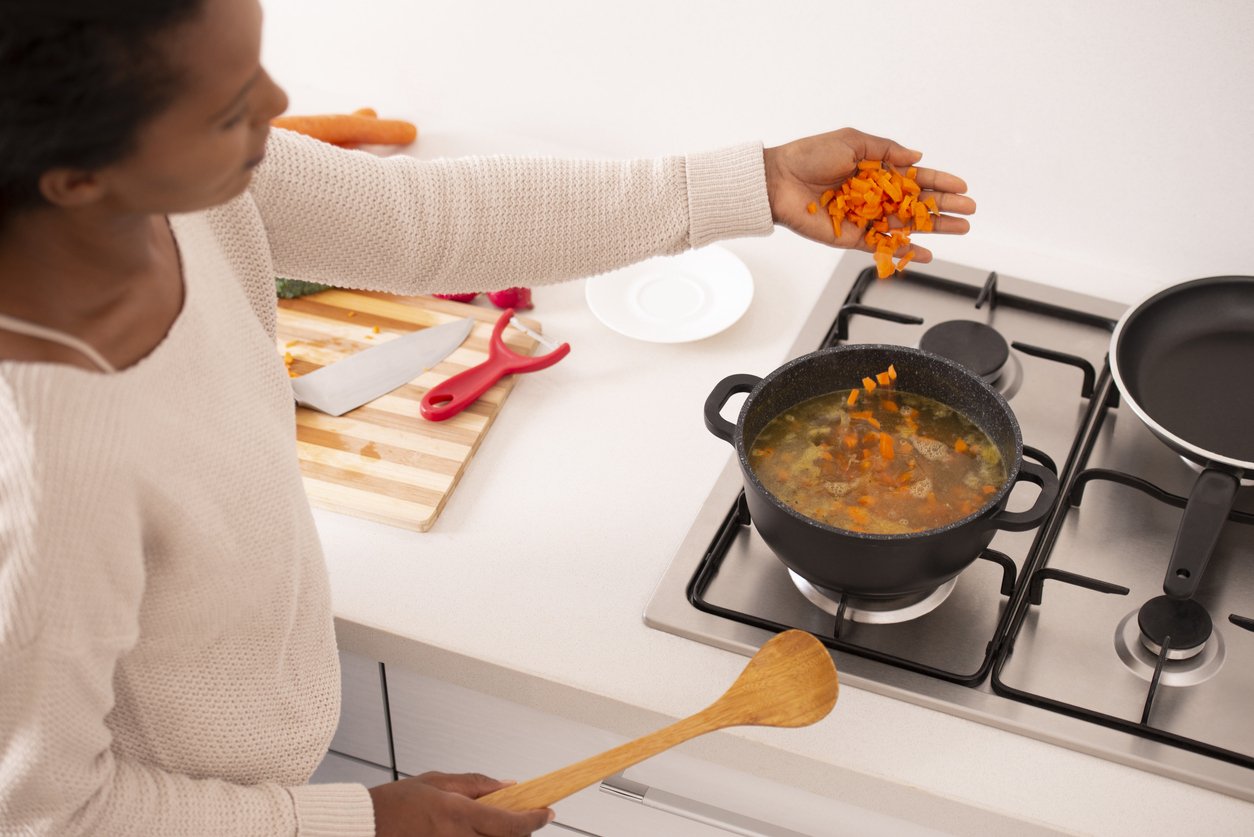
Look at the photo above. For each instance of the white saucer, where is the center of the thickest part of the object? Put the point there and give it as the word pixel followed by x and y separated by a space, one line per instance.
pixel 673 299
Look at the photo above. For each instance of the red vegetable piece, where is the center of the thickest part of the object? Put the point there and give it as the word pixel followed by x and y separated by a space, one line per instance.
pixel 517 298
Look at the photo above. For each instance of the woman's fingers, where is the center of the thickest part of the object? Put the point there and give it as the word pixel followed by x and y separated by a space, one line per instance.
pixel 939 181
pixel 950 202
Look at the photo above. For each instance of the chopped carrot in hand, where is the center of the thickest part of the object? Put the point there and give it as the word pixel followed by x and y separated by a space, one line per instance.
pixel 869 199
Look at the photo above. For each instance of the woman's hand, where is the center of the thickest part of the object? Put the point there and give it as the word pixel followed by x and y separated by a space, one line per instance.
pixel 443 805
pixel 800 171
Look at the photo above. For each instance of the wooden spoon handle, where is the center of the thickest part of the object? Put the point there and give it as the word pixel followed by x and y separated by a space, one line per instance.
pixel 543 791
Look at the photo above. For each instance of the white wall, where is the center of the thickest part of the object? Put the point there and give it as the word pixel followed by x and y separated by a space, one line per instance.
pixel 1109 143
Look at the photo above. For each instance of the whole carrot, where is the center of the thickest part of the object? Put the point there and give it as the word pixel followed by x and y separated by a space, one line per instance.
pixel 340 128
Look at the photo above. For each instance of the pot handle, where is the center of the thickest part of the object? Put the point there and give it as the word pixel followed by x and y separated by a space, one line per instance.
pixel 1210 502
pixel 724 390
pixel 1030 519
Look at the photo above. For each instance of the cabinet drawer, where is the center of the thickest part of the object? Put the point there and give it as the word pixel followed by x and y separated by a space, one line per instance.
pixel 363 729
pixel 338 768
pixel 440 726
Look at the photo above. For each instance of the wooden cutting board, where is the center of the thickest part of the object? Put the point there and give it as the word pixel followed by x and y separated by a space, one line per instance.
pixel 384 461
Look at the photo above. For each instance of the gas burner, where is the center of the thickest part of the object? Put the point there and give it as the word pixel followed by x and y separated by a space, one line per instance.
pixel 1131 647
pixel 975 345
pixel 875 611
pixel 978 347
pixel 1184 621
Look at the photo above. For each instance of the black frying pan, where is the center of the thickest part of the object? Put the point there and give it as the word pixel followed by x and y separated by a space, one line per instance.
pixel 1184 360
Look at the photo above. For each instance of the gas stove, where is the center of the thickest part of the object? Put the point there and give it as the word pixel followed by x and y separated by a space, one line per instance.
pixel 1060 633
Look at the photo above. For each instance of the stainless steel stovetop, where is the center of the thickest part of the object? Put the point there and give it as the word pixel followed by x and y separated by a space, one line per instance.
pixel 1041 638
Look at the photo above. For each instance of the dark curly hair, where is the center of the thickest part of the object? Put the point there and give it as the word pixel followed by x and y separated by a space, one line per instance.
pixel 77 80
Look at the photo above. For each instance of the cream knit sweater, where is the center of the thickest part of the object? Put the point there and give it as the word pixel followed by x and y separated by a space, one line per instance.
pixel 167 657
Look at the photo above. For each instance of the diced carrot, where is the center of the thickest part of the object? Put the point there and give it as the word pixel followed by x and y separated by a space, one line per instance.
pixel 883 379
pixel 886 446
pixel 890 406
pixel 853 397
pixel 989 489
pixel 892 371
pixel 869 385
pixel 812 207
pixel 960 446
pixel 850 441
pixel 869 198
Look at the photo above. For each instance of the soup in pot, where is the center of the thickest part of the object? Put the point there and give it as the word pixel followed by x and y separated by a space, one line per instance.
pixel 892 462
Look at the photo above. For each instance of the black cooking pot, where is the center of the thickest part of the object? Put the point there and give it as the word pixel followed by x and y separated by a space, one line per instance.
pixel 1184 360
pixel 858 563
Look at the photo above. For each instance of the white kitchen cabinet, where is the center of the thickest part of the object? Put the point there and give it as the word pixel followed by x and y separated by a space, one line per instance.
pixel 440 726
pixel 363 730
pixel 337 768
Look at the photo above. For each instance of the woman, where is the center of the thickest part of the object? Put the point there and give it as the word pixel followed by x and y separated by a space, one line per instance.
pixel 167 657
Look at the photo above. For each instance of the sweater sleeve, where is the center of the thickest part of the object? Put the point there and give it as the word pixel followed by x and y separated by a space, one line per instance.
pixel 404 225
pixel 68 602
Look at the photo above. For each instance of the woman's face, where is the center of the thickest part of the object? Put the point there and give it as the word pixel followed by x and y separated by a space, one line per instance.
pixel 201 150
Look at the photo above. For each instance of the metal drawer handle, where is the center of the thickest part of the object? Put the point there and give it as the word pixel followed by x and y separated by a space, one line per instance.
pixel 624 788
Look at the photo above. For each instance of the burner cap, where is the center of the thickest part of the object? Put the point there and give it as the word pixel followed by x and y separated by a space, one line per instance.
pixel 975 345
pixel 1184 620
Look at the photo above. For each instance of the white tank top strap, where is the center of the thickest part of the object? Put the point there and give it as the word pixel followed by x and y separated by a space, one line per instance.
pixel 52 335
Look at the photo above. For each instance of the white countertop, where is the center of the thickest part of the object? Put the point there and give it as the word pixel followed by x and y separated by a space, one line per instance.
pixel 534 579
pixel 1074 123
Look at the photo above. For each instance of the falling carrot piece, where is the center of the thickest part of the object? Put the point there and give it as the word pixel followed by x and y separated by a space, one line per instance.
pixel 853 397
pixel 869 385
pixel 883 379
pixel 892 372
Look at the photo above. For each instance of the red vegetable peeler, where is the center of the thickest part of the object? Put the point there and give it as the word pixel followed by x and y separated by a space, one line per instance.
pixel 448 398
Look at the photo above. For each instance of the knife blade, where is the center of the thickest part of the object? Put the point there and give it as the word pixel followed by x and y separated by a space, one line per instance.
pixel 370 373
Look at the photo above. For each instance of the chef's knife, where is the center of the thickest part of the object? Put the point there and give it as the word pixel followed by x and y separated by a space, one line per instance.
pixel 370 373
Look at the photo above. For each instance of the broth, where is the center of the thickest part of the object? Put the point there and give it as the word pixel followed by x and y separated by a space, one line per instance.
pixel 893 463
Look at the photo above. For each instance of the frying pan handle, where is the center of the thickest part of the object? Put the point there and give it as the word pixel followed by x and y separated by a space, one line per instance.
pixel 1210 502
pixel 724 390
pixel 1030 519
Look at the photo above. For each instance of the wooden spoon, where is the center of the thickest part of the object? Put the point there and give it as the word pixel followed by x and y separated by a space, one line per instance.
pixel 790 682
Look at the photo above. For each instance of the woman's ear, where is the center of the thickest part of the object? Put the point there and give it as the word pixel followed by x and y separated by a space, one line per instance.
pixel 70 188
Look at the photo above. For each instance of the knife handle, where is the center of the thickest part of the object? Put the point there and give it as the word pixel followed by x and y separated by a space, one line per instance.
pixel 448 398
